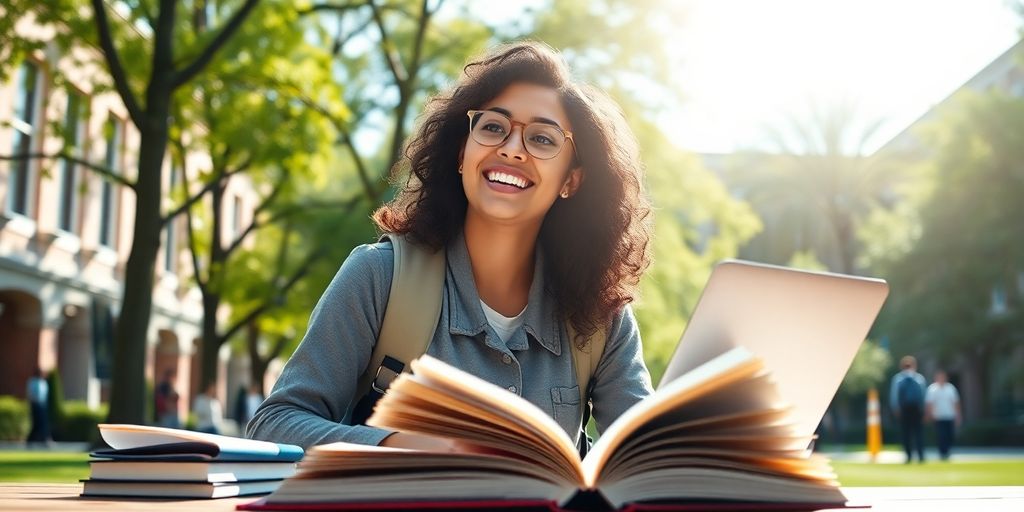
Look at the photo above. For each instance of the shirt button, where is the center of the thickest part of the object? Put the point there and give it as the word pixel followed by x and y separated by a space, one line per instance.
pixel 507 359
pixel 512 389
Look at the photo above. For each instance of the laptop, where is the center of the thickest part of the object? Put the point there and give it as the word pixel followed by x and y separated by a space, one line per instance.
pixel 806 326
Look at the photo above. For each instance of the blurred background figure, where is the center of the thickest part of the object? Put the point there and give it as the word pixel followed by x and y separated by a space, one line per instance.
pixel 208 411
pixel 253 399
pixel 38 393
pixel 906 398
pixel 942 405
pixel 167 402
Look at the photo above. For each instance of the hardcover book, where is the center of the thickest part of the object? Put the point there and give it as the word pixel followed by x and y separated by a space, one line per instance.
pixel 161 462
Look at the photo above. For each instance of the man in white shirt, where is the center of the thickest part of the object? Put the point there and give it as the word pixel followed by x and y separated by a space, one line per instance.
pixel 209 414
pixel 942 405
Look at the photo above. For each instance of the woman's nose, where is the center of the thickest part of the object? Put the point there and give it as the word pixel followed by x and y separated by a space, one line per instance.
pixel 513 147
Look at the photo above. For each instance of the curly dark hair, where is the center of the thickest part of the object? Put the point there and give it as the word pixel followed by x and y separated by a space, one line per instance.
pixel 595 244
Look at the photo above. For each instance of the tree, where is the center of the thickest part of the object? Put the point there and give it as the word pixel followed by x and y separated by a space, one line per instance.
pixel 412 54
pixel 816 193
pixel 255 124
pixel 252 279
pixel 962 280
pixel 145 69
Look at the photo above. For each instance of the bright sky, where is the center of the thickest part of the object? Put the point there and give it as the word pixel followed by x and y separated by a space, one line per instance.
pixel 749 63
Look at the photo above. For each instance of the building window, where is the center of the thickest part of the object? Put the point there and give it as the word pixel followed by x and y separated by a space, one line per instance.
pixel 74 130
pixel 170 243
pixel 24 121
pixel 108 193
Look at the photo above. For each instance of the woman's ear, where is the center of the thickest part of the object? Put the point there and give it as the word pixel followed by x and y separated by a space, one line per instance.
pixel 572 182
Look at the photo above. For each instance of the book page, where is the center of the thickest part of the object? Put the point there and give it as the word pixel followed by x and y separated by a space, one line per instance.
pixel 486 414
pixel 343 472
pixel 746 414
pixel 125 436
pixel 706 483
pixel 733 366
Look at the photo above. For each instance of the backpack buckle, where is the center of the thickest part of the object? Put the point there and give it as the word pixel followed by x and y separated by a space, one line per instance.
pixel 388 370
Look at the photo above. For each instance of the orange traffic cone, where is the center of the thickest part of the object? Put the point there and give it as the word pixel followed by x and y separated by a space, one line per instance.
pixel 874 425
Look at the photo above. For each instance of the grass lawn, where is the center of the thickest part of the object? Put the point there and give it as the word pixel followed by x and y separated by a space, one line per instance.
pixel 39 466
pixel 70 467
pixel 931 473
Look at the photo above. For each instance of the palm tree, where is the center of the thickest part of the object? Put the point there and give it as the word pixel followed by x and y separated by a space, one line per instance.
pixel 817 190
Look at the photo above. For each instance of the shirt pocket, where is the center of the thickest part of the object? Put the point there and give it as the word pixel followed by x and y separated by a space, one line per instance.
pixel 565 404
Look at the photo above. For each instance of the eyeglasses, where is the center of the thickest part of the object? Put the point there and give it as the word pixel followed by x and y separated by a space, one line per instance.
pixel 541 140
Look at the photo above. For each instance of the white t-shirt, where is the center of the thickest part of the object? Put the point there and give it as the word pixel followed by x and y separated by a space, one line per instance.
pixel 943 399
pixel 208 412
pixel 503 325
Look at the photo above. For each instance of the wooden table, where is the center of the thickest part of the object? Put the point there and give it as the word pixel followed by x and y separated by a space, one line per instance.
pixel 64 497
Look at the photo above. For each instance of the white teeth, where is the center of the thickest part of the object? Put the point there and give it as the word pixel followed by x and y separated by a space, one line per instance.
pixel 507 179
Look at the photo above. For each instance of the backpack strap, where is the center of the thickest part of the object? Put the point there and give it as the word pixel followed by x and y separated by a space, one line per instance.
pixel 410 319
pixel 585 361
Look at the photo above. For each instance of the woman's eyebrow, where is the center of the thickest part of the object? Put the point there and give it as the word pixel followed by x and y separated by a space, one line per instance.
pixel 544 120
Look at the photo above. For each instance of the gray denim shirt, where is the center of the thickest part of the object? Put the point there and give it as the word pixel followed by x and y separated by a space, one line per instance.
pixel 317 386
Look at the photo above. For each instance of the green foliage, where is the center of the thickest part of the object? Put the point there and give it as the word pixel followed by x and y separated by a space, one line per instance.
pixel 697 223
pixel 55 397
pixel 14 419
pixel 806 260
pixel 868 370
pixel 820 190
pixel 190 422
pixel 991 433
pixel 79 423
pixel 971 241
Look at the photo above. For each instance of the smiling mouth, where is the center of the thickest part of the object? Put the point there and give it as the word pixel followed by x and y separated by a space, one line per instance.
pixel 508 179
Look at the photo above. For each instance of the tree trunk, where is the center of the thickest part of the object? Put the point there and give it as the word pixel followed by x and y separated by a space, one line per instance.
pixel 128 386
pixel 257 365
pixel 211 293
pixel 973 392
pixel 211 339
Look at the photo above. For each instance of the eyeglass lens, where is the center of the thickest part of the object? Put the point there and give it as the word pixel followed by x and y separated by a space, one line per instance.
pixel 541 140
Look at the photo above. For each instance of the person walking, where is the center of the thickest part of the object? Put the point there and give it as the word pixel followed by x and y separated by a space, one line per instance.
pixel 208 411
pixel 942 406
pixel 906 399
pixel 167 401
pixel 38 393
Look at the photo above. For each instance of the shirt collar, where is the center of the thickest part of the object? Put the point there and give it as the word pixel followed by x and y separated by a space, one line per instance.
pixel 466 317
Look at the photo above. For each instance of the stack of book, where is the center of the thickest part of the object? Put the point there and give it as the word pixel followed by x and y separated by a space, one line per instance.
pixel 169 463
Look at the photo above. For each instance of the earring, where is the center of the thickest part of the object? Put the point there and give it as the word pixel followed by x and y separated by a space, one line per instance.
pixel 460 168
pixel 564 194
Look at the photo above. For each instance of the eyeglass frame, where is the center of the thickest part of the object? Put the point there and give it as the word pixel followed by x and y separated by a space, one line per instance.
pixel 522 133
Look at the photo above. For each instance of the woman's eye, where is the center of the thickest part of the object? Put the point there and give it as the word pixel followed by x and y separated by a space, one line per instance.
pixel 542 139
pixel 494 127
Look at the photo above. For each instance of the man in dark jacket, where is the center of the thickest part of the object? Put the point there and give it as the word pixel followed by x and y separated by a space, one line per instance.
pixel 906 399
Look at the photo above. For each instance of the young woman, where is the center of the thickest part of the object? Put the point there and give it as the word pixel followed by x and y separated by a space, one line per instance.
pixel 532 185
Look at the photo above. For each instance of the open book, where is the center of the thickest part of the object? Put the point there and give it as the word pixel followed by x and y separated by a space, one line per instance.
pixel 718 432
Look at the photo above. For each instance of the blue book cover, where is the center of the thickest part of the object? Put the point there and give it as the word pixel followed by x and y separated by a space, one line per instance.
pixel 140 442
